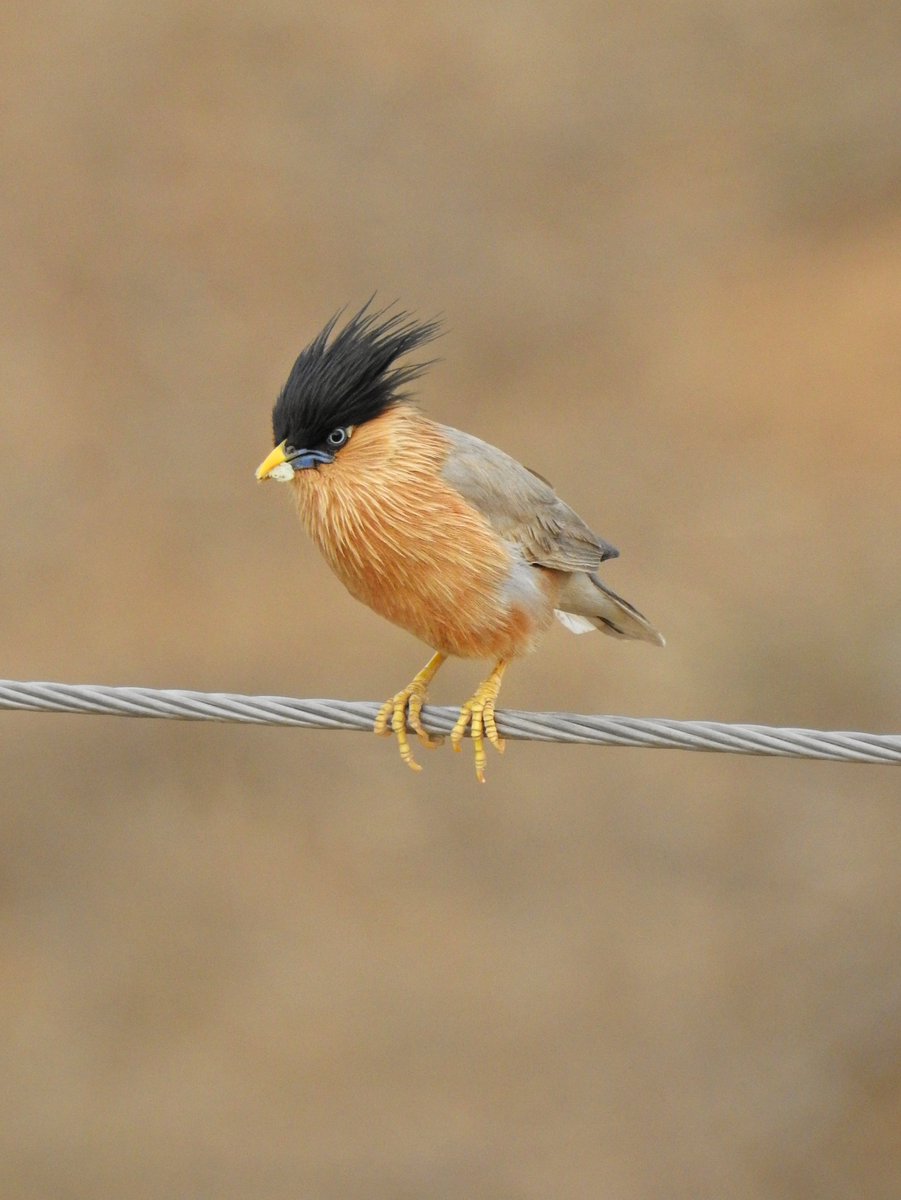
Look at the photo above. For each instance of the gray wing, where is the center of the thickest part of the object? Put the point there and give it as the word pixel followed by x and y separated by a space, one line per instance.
pixel 521 506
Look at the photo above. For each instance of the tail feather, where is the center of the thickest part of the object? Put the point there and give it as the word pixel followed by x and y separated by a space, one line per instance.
pixel 585 597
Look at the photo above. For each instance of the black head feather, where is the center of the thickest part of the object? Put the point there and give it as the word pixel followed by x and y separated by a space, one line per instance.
pixel 349 379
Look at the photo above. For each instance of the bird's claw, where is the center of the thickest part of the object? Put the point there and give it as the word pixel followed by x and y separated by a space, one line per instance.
pixel 406 709
pixel 478 715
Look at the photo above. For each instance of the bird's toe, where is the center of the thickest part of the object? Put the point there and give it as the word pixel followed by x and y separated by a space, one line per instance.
pixel 414 717
pixel 477 715
pixel 406 709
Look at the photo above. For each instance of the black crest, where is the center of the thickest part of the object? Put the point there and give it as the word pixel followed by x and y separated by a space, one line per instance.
pixel 348 378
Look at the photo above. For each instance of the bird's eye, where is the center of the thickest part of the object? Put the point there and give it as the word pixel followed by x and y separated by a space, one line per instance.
pixel 289 451
pixel 337 437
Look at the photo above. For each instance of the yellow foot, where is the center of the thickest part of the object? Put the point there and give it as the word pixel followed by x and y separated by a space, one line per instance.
pixel 478 713
pixel 406 707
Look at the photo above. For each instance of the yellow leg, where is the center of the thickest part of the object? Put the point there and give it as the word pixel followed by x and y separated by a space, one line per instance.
pixel 479 714
pixel 406 706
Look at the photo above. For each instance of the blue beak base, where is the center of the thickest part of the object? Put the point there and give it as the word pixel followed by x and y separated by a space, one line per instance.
pixel 303 460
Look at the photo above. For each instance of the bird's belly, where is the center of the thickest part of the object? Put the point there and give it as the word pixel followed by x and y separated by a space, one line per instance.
pixel 456 599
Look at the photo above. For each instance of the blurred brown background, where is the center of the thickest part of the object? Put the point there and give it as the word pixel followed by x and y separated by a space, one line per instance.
pixel 250 963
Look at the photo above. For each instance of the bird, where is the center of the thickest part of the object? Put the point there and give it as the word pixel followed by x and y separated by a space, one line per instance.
pixel 436 530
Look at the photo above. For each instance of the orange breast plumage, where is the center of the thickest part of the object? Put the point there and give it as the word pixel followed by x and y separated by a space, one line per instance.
pixel 410 547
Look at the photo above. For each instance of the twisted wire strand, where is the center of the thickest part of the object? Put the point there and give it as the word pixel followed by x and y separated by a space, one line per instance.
pixel 656 733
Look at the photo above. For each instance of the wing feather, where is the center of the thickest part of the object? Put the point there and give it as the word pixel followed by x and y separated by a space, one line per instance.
pixel 521 506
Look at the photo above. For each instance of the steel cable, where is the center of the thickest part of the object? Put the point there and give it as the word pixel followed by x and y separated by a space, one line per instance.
pixel 175 704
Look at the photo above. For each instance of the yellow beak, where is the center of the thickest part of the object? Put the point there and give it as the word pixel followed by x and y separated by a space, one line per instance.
pixel 268 465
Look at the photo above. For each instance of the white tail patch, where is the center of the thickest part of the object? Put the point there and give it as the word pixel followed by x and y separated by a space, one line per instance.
pixel 573 622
